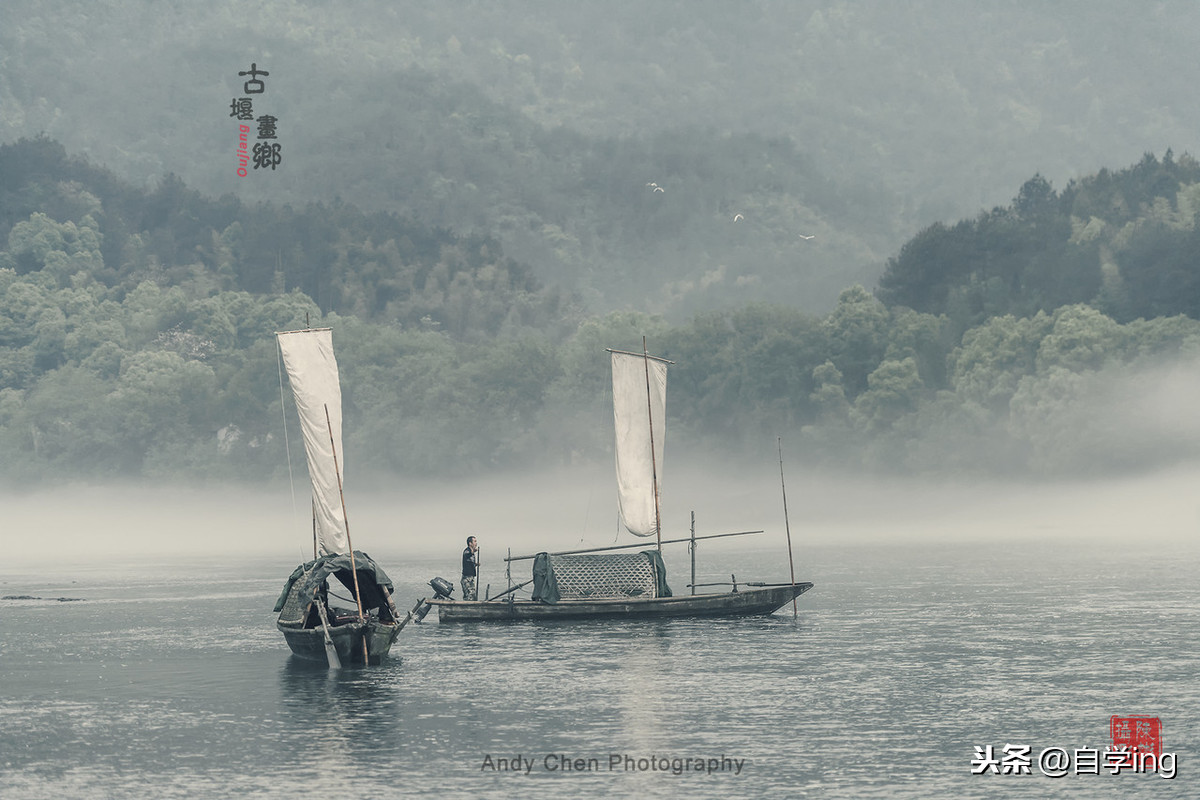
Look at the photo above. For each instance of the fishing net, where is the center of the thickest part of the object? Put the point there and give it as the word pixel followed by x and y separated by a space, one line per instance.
pixel 599 577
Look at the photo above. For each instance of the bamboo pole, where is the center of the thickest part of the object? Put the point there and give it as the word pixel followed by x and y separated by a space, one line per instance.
pixel 391 603
pixel 510 590
pixel 508 577
pixel 786 525
pixel 653 458
pixel 756 584
pixel 640 355
pixel 330 651
pixel 410 615
pixel 692 549
pixel 346 520
pixel 628 546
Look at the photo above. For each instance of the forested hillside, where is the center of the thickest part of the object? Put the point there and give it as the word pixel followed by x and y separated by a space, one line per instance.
pixel 378 266
pixel 1050 335
pixel 538 125
pixel 1125 242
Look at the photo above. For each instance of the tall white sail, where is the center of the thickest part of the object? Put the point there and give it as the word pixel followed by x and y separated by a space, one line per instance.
pixel 639 460
pixel 313 374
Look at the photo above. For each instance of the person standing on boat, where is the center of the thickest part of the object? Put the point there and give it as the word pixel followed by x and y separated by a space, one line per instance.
pixel 470 569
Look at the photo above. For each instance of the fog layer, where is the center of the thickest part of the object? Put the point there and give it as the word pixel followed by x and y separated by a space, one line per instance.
pixel 576 508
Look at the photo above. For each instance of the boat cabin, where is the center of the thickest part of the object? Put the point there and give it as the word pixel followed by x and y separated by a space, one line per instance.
pixel 307 592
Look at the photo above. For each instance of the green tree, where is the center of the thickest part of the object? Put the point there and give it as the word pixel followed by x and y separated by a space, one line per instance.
pixel 61 249
pixel 829 396
pixel 894 390
pixel 857 330
pixel 161 400
pixel 1081 339
pixel 923 337
pixel 989 364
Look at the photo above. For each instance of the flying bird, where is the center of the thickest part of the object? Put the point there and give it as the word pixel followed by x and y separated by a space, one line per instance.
pixel 660 189
pixel 738 217
pixel 812 236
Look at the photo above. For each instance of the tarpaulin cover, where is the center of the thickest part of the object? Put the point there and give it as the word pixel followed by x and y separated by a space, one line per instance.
pixel 307 580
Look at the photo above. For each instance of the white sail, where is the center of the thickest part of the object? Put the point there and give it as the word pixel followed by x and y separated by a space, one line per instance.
pixel 639 461
pixel 313 374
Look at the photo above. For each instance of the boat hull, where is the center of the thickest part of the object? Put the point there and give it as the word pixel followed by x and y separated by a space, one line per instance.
pixel 309 643
pixel 747 603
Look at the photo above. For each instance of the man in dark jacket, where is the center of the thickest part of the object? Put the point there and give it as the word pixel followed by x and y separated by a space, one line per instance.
pixel 470 569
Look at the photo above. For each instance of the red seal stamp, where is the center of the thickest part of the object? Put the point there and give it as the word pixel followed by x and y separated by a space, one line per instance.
pixel 1139 734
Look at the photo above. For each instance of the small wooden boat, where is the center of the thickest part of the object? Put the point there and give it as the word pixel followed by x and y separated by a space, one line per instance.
pixel 312 628
pixel 309 623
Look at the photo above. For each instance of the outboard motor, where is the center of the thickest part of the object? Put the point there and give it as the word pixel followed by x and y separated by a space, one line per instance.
pixel 442 590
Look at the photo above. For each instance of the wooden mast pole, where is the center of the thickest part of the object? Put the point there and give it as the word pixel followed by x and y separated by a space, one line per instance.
pixel 653 457
pixel 786 525
pixel 338 472
pixel 692 548
pixel 353 567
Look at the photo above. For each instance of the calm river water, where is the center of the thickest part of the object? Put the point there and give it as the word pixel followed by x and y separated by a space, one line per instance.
pixel 169 680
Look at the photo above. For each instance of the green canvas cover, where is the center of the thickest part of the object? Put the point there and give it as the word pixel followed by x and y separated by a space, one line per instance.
pixel 599 576
pixel 545 586
pixel 660 572
pixel 372 580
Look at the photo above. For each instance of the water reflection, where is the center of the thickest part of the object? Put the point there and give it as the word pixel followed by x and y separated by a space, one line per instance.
pixel 339 716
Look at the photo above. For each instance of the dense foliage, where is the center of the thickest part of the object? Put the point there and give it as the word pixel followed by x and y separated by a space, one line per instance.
pixel 378 266
pixel 136 338
pixel 358 119
pixel 1125 242
pixel 538 125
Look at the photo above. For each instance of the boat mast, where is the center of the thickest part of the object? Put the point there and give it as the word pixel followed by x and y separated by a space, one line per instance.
pixel 354 569
pixel 346 520
pixel 692 550
pixel 787 527
pixel 653 458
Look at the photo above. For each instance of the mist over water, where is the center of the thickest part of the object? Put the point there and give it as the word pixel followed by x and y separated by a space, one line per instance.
pixel 575 508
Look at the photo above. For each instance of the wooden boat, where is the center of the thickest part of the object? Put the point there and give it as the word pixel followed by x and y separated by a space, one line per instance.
pixel 313 628
pixel 307 620
pixel 589 584
pixel 745 603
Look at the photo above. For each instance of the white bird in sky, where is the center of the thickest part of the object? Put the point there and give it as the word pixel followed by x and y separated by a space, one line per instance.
pixel 812 236
pixel 738 218
pixel 660 189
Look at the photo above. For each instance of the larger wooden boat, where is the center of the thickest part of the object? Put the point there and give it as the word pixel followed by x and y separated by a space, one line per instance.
pixel 590 584
pixel 745 603
pixel 313 628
